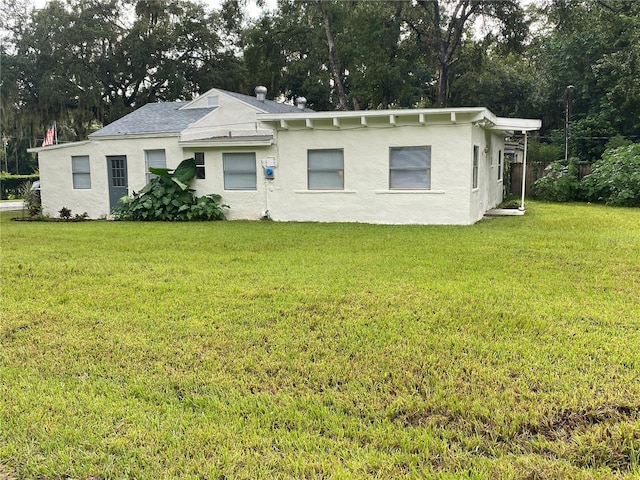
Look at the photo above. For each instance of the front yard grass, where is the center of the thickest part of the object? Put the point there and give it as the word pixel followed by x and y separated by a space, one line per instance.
pixel 506 349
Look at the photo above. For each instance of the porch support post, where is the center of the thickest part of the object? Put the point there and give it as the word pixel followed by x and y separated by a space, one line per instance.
pixel 524 171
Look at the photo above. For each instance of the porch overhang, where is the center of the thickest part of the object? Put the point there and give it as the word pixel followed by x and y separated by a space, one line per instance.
pixel 237 141
pixel 372 118
pixel 516 124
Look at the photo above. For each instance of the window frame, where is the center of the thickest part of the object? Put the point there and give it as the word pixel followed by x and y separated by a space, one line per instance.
pixel 200 167
pixel 147 163
pixel 78 173
pixel 500 164
pixel 476 167
pixel 228 173
pixel 339 172
pixel 415 168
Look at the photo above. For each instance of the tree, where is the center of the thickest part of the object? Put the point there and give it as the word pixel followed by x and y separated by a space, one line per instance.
pixel 336 71
pixel 593 45
pixel 88 62
pixel 338 54
pixel 443 24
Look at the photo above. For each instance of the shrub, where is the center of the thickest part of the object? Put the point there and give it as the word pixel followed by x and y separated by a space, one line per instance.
pixel 615 178
pixel 167 197
pixel 65 213
pixel 31 198
pixel 559 183
pixel 11 185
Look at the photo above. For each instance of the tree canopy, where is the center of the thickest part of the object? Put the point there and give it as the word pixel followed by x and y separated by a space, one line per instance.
pixel 85 63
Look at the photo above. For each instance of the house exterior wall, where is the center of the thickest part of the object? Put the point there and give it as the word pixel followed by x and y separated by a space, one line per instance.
pixel 245 204
pixel 366 196
pixel 365 143
pixel 57 178
pixel 56 182
pixel 489 192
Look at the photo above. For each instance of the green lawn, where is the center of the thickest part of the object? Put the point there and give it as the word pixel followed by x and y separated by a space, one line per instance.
pixel 507 349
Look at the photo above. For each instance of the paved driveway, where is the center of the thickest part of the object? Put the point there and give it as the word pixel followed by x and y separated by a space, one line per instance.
pixel 13 205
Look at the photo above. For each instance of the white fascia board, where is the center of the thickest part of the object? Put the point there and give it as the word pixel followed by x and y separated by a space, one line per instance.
pixel 57 147
pixel 236 142
pixel 517 124
pixel 359 114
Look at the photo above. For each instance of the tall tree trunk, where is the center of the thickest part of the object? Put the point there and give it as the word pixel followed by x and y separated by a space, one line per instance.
pixel 333 58
pixel 443 84
pixel 448 38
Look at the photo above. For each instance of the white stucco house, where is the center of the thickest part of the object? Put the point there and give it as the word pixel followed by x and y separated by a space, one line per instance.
pixel 289 163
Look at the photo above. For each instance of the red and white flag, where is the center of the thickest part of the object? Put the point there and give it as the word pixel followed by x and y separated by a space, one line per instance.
pixel 49 136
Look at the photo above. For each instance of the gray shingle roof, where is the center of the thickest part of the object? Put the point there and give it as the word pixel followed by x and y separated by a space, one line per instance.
pixel 166 117
pixel 268 106
pixel 163 117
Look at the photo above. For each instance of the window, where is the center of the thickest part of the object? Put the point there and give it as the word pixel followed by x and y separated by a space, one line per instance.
pixel 199 158
pixel 410 168
pixel 325 169
pixel 81 171
pixel 154 159
pixel 239 171
pixel 476 154
pixel 499 164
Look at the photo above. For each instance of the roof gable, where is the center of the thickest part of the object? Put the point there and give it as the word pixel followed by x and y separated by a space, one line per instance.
pixel 176 117
pixel 267 106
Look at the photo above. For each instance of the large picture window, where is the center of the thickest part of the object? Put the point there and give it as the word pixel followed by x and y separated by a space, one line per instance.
pixel 325 169
pixel 154 159
pixel 81 172
pixel 410 168
pixel 239 171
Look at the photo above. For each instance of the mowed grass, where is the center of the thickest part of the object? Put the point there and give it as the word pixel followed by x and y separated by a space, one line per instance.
pixel 506 349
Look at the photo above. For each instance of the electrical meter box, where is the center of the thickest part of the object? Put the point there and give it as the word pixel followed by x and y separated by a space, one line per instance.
pixel 269 167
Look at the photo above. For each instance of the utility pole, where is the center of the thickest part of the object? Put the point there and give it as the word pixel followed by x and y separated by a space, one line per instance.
pixel 567 115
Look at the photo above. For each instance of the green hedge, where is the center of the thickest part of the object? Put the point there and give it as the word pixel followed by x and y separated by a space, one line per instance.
pixel 10 184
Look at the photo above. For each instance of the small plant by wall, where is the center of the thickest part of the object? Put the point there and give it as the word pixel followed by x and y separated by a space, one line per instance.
pixel 167 197
pixel 65 213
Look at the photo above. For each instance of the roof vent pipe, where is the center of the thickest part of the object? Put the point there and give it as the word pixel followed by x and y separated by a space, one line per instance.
pixel 261 93
pixel 301 102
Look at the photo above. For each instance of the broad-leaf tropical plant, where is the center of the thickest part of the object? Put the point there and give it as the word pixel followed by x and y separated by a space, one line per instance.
pixel 168 197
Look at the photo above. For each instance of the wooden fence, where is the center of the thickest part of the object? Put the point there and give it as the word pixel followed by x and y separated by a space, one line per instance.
pixel 535 170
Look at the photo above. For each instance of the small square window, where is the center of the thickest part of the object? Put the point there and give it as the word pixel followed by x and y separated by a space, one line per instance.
pixel 325 169
pixel 410 168
pixel 239 171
